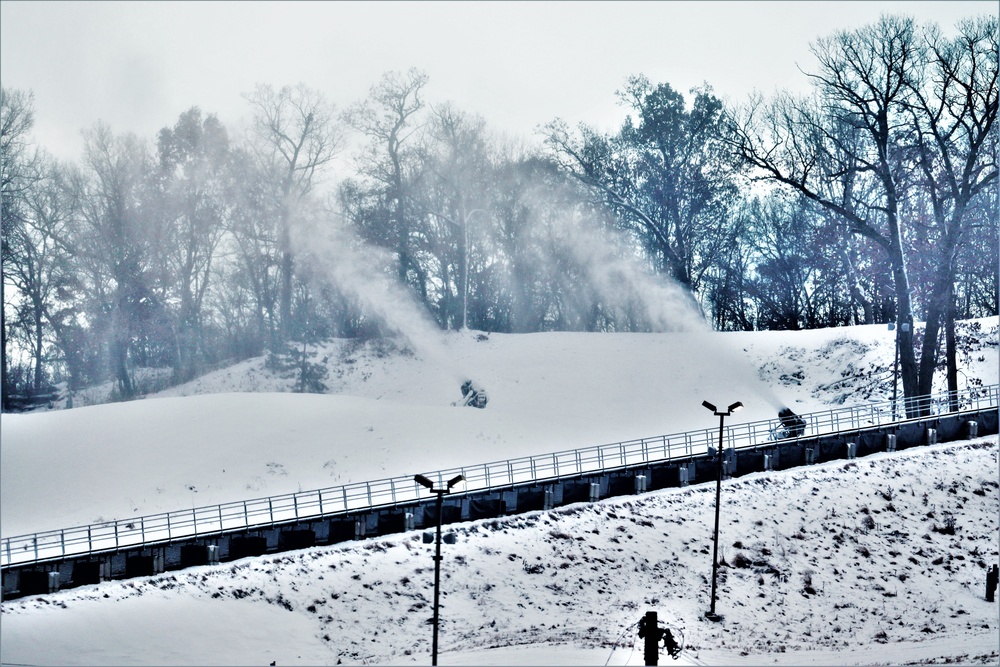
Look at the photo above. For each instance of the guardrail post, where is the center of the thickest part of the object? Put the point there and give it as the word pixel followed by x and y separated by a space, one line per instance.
pixel 169 536
pixel 246 517
pixel 142 530
pixel 295 505
pixel 62 541
pixel 321 512
pixel 90 543
pixel 116 540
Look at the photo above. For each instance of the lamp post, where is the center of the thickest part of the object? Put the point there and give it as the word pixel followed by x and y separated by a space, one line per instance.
pixel 710 614
pixel 424 481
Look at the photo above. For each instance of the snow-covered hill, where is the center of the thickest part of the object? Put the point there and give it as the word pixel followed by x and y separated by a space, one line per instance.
pixel 238 433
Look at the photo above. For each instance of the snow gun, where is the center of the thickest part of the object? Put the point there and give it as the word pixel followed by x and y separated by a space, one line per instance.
pixel 473 396
pixel 792 425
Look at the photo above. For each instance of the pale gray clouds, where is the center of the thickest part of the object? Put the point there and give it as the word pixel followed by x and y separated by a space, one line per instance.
pixel 138 65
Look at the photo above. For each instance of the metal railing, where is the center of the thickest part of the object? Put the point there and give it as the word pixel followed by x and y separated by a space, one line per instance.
pixel 259 513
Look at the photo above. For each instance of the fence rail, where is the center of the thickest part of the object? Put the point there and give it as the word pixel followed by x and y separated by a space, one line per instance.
pixel 309 505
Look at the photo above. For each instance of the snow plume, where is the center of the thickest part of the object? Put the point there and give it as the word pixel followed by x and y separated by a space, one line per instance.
pixel 594 269
pixel 334 254
pixel 607 273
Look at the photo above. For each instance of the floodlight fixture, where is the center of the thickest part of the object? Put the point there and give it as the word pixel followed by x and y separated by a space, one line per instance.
pixel 455 480
pixel 735 406
pixel 708 405
pixel 423 481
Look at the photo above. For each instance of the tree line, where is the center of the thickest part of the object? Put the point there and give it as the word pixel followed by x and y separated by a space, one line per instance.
pixel 872 199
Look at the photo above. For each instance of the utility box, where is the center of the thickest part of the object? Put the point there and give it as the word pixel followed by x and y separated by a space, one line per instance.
pixel 932 436
pixel 810 456
pixel 550 498
pixel 213 554
pixel 409 523
pixel 640 484
pixel 971 429
pixel 728 462
pixel 595 492
pixel 360 529
pixel 53 581
pixel 890 442
pixel 768 462
pixel 682 474
pixel 852 449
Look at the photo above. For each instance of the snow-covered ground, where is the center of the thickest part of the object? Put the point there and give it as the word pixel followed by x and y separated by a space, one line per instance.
pixel 844 563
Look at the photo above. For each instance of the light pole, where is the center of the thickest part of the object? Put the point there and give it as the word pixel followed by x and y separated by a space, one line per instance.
pixel 424 481
pixel 710 614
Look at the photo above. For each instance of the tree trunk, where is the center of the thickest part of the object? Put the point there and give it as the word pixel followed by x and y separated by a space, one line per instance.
pixel 4 387
pixel 951 351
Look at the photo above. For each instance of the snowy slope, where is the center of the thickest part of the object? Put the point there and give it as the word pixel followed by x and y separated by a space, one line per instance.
pixel 237 433
pixel 809 580
pixel 389 413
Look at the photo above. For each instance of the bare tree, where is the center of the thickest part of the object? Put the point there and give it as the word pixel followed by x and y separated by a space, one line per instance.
pixel 195 181
pixel 953 118
pixel 118 248
pixel 387 117
pixel 18 170
pixel 297 138
pixel 845 148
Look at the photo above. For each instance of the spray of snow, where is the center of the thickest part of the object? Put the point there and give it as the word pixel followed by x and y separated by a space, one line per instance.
pixel 336 255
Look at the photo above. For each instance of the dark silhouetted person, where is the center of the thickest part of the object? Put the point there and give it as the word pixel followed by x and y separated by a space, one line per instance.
pixel 992 578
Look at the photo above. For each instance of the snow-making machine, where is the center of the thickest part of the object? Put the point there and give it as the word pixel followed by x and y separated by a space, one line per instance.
pixel 473 395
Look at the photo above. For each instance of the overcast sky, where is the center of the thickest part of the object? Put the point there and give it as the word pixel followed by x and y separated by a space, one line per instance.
pixel 138 65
